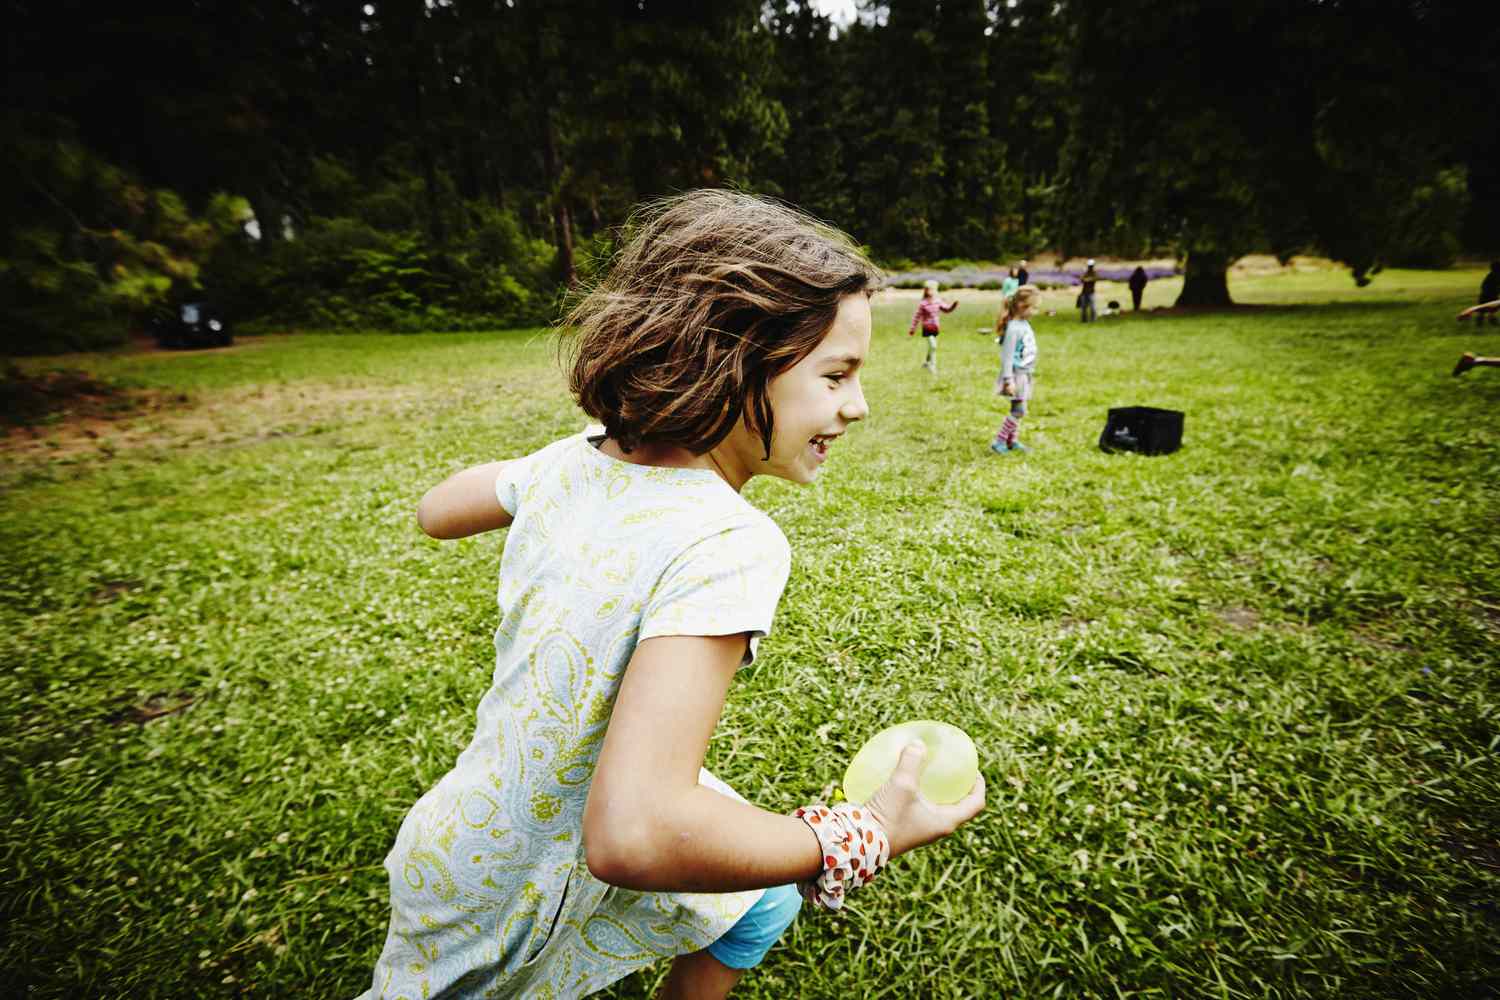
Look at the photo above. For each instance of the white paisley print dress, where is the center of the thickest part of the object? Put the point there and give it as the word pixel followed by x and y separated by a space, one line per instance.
pixel 490 895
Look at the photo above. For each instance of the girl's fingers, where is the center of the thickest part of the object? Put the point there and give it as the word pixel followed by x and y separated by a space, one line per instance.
pixel 970 805
pixel 909 765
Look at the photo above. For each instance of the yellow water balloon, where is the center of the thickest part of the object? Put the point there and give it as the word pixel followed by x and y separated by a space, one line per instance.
pixel 948 773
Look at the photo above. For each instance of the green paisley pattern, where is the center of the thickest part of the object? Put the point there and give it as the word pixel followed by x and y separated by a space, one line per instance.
pixel 490 895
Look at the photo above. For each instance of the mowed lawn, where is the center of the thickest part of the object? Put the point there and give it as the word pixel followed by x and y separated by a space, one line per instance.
pixel 1238 707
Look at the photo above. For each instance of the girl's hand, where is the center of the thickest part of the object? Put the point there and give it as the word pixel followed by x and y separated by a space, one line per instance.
pixel 1007 387
pixel 909 819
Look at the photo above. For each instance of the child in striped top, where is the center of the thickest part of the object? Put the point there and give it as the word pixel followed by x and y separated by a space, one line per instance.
pixel 1017 361
pixel 928 310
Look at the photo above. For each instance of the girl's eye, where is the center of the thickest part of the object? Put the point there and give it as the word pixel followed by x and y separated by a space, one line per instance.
pixel 835 379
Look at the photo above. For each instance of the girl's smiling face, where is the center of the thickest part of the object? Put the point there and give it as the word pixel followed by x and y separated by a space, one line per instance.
pixel 812 404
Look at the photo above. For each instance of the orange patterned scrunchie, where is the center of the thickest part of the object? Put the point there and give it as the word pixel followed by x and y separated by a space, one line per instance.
pixel 854 846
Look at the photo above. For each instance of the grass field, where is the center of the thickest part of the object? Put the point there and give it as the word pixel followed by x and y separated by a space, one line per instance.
pixel 1238 707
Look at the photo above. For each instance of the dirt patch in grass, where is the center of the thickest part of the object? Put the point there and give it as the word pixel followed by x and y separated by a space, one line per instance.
pixel 157 419
pixel 108 590
pixel 154 707
pixel 1240 618
pixel 1480 852
pixel 1370 637
pixel 27 399
pixel 85 420
pixel 1068 625
pixel 1260 264
pixel 1488 615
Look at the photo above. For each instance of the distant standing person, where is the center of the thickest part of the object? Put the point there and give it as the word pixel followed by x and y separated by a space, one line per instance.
pixel 1489 291
pixel 927 315
pixel 1023 276
pixel 1008 287
pixel 1017 362
pixel 1137 286
pixel 1086 311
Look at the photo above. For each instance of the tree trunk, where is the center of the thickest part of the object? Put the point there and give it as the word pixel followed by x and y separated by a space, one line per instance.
pixel 560 216
pixel 1206 281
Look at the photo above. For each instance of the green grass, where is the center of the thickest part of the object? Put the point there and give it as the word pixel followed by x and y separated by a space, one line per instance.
pixel 1238 707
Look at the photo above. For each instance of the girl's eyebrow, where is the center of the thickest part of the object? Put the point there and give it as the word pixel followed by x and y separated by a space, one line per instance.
pixel 849 360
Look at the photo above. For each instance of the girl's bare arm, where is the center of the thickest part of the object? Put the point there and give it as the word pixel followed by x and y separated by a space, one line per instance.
pixel 1483 307
pixel 650 826
pixel 464 504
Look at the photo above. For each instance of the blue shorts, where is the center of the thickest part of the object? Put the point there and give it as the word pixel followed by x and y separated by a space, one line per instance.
pixel 746 943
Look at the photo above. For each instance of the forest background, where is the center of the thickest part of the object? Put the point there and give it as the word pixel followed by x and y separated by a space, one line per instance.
pixel 458 164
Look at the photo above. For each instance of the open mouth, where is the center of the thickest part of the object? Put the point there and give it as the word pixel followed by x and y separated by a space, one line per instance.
pixel 820 444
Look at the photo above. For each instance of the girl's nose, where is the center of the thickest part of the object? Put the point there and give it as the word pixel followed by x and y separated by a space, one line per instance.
pixel 855 408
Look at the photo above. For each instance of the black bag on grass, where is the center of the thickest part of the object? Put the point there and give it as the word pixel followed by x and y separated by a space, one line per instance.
pixel 1144 429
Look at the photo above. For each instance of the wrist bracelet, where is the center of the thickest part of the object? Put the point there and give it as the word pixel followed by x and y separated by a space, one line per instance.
pixel 854 845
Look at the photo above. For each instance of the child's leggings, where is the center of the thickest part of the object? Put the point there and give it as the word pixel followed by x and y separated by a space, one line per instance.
pixel 931 361
pixel 1009 430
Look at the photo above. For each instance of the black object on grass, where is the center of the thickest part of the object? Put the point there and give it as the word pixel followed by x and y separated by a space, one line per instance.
pixel 1144 429
pixel 190 324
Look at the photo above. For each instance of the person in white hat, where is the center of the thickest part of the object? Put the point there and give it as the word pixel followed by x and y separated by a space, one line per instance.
pixel 928 310
pixel 1086 311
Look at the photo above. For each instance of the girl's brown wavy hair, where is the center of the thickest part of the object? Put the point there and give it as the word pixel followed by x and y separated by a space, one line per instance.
pixel 712 295
pixel 1023 296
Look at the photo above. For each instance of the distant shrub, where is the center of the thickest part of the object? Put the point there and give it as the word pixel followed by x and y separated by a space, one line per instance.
pixel 344 273
pixel 79 267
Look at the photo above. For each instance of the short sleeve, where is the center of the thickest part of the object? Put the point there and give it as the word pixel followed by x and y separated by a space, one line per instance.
pixel 517 475
pixel 727 582
pixel 511 483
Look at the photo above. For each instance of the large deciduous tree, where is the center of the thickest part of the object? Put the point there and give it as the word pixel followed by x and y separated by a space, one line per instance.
pixel 1280 124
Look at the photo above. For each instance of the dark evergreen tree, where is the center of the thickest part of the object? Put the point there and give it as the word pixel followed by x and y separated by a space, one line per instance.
pixel 814 87
pixel 1028 95
pixel 445 161
pixel 971 166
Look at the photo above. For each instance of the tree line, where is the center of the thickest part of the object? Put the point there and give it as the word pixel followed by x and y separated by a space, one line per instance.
pixel 421 164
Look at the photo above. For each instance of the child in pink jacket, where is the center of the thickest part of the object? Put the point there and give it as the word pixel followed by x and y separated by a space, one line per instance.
pixel 928 310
